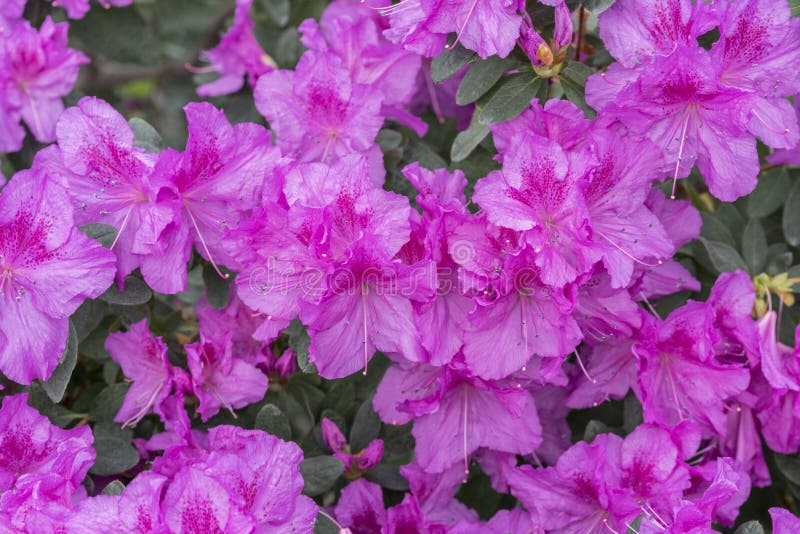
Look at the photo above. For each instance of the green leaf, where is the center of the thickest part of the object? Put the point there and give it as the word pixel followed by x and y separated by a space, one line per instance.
pixel 389 139
pixel 754 246
pixel 597 6
pixel 449 62
pixel 789 466
pixel 715 230
pixel 272 420
pixel 108 402
pixel 791 216
pixel 366 426
pixel 466 141
pixel 770 194
pixel 218 289
pixel 751 527
pixel 277 10
pixel 513 95
pixel 723 256
pixel 115 487
pixel 320 473
pixel 56 385
pixel 635 526
pixel 102 233
pixel 325 525
pixel 480 77
pixel 387 476
pixel 115 454
pixel 136 293
pixel 573 80
pixel 109 33
pixel 146 137
pixel 299 341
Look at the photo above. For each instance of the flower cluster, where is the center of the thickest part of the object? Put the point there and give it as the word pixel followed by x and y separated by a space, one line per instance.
pixel 503 301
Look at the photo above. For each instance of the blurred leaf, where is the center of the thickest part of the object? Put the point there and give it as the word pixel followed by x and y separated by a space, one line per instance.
pixel 108 402
pixel 512 96
pixel 146 137
pixel 272 420
pixel 480 77
pixel 278 11
pixel 715 230
pixel 115 454
pixel 299 341
pixel 791 216
pixel 770 194
pixel 110 33
pixel 136 293
pixel 450 62
pixel 325 525
pixel 573 80
pixel 102 233
pixel 366 427
pixel 320 473
pixel 789 466
pixel 56 385
pixel 115 487
pixel 387 476
pixel 751 527
pixel 635 525
pixel 87 317
pixel 466 141
pixel 723 256
pixel 754 246
pixel 218 289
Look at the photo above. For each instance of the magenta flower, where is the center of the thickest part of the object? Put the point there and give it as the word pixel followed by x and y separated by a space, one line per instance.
pixel 10 14
pixel 143 359
pixel 360 507
pixel 319 110
pixel 36 70
pixel 455 413
pixel 783 521
pixel 105 174
pixel 138 509
pixel 222 380
pixel 47 269
pixel 33 452
pixel 685 371
pixel 201 193
pixel 237 57
pixel 77 9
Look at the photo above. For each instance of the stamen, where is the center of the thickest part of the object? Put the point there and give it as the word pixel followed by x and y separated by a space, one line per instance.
pixel 537 460
pixel 390 9
pixel 144 409
pixel 657 519
pixel 466 461
pixel 122 227
pixel 36 120
pixel 610 529
pixel 675 395
pixel 463 26
pixel 626 253
pixel 366 357
pixel 778 132
pixel 205 247
pixel 680 154
pixel 583 369
pixel 649 306
pixel 200 70
pixel 437 110
pixel 603 76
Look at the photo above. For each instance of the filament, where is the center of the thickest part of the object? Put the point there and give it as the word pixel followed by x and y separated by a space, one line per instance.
pixel 463 26
pixel 205 247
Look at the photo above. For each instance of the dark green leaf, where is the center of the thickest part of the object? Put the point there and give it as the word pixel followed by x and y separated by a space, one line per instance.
pixel 789 466
pixel 466 141
pixel 56 385
pixel 299 341
pixel 102 233
pixel 754 246
pixel 595 428
pixel 115 454
pixel 87 317
pixel 715 230
pixel 482 75
pixel 791 216
pixel 389 139
pixel 366 427
pixel 110 33
pixel 513 95
pixel 146 137
pixel 597 6
pixel 278 11
pixel 218 289
pixel 325 525
pixel 115 487
pixel 387 476
pixel 770 194
pixel 751 527
pixel 136 293
pixel 635 526
pixel 319 474
pixel 272 420
pixel 573 81
pixel 108 402
pixel 723 256
pixel 449 62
